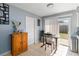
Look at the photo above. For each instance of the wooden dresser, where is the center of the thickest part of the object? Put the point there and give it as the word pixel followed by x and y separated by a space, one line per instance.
pixel 19 42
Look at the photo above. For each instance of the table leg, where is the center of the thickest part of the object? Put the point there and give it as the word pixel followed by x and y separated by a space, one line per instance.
pixel 43 42
pixel 56 45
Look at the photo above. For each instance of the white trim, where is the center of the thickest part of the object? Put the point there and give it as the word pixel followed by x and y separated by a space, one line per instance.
pixel 5 53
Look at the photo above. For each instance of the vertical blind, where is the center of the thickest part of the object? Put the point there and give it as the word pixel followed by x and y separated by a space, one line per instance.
pixel 51 26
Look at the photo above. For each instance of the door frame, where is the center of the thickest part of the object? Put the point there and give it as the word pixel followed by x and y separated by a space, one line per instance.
pixel 33 28
pixel 69 28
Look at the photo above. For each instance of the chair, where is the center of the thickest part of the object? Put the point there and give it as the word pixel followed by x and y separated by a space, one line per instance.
pixel 41 36
pixel 49 41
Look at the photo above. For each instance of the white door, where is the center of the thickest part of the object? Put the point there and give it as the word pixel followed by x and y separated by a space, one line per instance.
pixel 37 29
pixel 30 29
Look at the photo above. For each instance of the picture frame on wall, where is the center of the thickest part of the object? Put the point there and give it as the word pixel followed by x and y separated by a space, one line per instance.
pixel 38 22
pixel 4 13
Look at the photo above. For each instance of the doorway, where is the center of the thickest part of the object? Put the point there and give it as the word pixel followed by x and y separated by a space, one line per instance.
pixel 64 30
pixel 32 29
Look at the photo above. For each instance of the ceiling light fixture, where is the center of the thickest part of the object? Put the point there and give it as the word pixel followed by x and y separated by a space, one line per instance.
pixel 50 5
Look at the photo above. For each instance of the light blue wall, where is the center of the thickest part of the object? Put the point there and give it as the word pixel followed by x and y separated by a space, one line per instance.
pixel 6 30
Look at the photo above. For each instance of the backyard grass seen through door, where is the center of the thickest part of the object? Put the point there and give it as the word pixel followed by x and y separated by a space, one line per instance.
pixel 63 39
pixel 64 35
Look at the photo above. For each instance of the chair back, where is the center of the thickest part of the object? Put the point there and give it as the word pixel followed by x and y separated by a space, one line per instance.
pixel 48 37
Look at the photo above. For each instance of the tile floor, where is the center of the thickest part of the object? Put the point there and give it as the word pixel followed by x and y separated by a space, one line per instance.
pixel 64 51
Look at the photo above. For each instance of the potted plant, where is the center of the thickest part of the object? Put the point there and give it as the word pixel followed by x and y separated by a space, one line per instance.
pixel 15 26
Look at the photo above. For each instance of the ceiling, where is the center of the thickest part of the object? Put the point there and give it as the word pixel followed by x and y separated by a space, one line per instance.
pixel 41 9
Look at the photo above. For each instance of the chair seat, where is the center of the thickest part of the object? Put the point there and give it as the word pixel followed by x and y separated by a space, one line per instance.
pixel 49 42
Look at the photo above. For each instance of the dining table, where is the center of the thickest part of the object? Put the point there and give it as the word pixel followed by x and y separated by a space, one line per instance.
pixel 55 38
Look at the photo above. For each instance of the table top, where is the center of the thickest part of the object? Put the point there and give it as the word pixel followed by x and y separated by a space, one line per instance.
pixel 50 35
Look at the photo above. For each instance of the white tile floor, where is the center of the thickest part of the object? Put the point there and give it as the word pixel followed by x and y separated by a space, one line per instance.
pixel 63 41
pixel 64 51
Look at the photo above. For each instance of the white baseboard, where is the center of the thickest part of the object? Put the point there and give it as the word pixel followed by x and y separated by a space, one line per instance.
pixel 5 53
pixel 37 41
